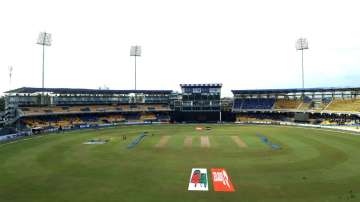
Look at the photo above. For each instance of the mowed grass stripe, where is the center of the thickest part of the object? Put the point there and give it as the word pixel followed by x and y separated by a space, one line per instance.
pixel 253 141
pixel 176 142
pixel 163 141
pixel 239 141
pixel 196 141
pixel 223 143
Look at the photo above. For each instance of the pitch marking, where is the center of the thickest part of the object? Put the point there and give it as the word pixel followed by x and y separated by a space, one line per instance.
pixel 163 141
pixel 205 142
pixel 239 141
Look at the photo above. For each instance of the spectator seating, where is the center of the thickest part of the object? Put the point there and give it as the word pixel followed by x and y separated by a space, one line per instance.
pixel 256 118
pixel 148 117
pixel 112 118
pixel 133 117
pixel 304 106
pixel 256 103
pixel 344 105
pixel 287 104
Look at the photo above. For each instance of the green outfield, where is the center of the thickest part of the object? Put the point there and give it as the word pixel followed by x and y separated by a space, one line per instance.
pixel 312 165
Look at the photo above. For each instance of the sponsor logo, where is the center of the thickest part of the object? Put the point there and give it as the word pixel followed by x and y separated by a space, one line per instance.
pixel 221 180
pixel 198 180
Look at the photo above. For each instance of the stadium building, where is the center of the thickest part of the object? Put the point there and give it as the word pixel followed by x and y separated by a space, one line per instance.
pixel 68 108
pixel 199 103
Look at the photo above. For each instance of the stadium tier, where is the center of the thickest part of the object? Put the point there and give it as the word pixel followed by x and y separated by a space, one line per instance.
pixel 37 111
pixel 70 121
pixel 37 107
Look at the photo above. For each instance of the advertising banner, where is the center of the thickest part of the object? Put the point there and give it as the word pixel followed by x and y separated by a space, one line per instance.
pixel 198 180
pixel 221 180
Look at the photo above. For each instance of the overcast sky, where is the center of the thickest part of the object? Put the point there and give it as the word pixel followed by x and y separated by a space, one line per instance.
pixel 241 44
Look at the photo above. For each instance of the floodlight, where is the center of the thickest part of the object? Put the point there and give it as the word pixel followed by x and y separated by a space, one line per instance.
pixel 302 44
pixel 135 51
pixel 44 39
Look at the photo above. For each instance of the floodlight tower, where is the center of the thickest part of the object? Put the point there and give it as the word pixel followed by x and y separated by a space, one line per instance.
pixel 301 44
pixel 44 39
pixel 220 117
pixel 10 76
pixel 135 51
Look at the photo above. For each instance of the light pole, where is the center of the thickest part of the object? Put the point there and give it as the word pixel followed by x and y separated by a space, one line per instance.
pixel 44 39
pixel 302 44
pixel 135 51
pixel 220 110
pixel 10 76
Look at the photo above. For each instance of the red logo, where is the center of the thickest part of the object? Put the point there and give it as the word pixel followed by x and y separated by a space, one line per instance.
pixel 221 180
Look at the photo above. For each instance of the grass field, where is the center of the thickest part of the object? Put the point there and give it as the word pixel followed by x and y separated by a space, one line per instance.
pixel 313 165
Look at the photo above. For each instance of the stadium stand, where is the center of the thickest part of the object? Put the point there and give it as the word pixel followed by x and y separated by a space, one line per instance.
pixel 311 99
pixel 34 108
pixel 62 108
pixel 309 105
pixel 2 119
